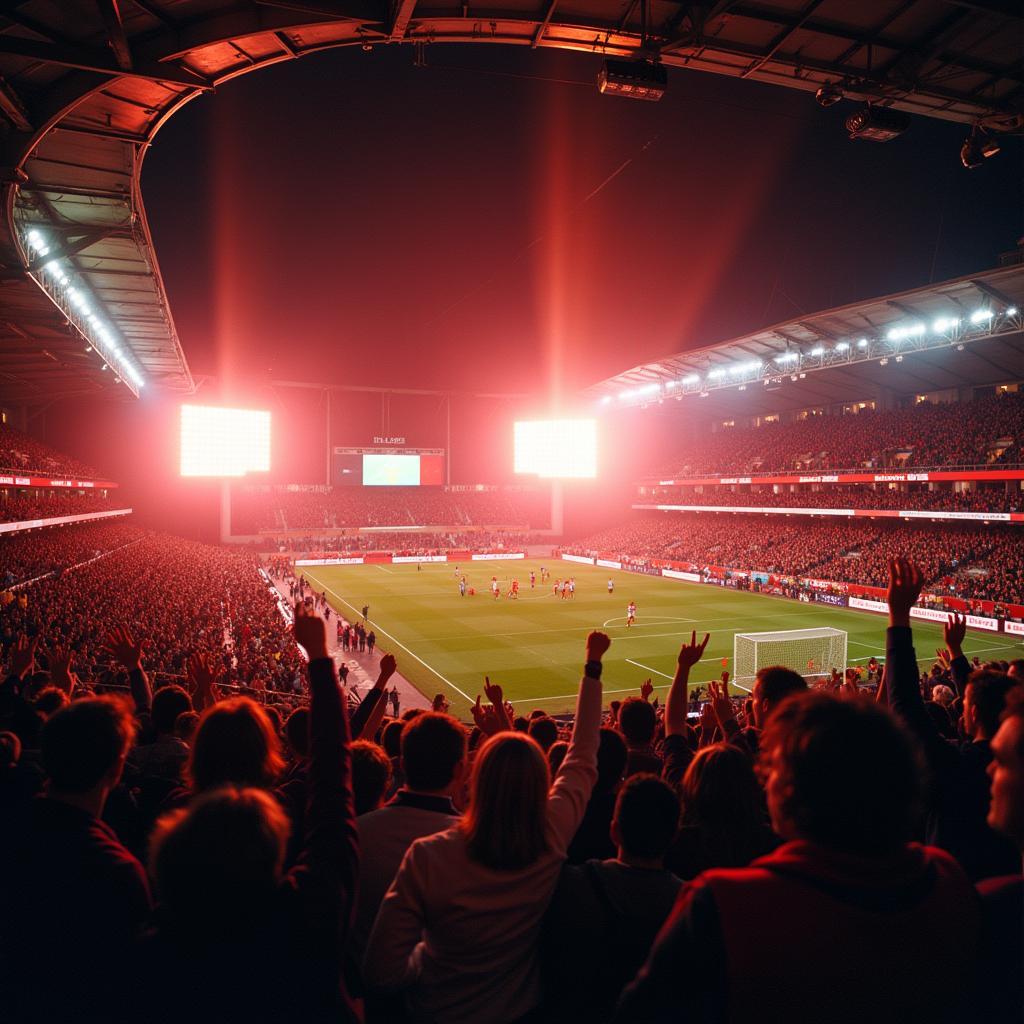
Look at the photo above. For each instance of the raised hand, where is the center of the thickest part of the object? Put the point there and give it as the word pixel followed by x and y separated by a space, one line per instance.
pixel 691 653
pixel 23 656
pixel 720 702
pixel 387 668
pixel 61 674
pixel 203 672
pixel 494 693
pixel 597 644
pixel 707 723
pixel 485 718
pixel 121 647
pixel 905 583
pixel 310 632
pixel 953 632
pixel 646 689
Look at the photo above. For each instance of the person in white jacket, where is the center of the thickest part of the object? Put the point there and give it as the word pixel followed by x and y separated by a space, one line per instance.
pixel 458 931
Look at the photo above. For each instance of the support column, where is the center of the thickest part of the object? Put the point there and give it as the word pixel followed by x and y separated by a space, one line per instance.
pixel 225 511
pixel 557 508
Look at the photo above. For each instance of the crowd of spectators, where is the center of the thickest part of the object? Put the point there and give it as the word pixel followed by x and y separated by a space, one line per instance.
pixel 989 499
pixel 24 505
pixel 406 545
pixel 24 556
pixel 799 855
pixel 190 599
pixel 23 454
pixel 281 508
pixel 961 560
pixel 986 432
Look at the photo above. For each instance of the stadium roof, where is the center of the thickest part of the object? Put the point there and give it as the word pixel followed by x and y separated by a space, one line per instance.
pixel 86 84
pixel 964 332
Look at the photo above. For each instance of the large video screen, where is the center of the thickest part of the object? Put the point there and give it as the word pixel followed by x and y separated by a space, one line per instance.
pixel 387 469
pixel 221 442
pixel 391 471
pixel 556 449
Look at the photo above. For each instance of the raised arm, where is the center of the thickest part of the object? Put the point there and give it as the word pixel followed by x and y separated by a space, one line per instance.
pixel 676 701
pixel 368 716
pixel 325 870
pixel 953 632
pixel 578 772
pixel 122 648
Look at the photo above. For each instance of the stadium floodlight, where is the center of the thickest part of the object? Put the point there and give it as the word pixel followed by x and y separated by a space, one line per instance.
pixel 981 315
pixel 977 148
pixel 817 351
pixel 877 124
pixel 222 442
pixel 945 323
pixel 863 343
pixel 843 346
pixel 632 79
pixel 716 374
pixel 556 449
pixel 1012 311
pixel 787 357
pixel 828 95
pixel 813 652
pixel 693 378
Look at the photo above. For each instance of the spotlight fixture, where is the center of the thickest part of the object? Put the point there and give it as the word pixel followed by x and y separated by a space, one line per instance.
pixel 877 124
pixel 977 148
pixel 633 79
pixel 828 95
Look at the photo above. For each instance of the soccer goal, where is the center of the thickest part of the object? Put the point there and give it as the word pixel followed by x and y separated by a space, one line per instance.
pixel 811 652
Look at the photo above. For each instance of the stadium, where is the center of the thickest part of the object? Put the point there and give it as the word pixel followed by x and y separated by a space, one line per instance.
pixel 481 550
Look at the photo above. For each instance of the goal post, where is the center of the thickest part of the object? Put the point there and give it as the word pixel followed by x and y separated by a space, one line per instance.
pixel 811 652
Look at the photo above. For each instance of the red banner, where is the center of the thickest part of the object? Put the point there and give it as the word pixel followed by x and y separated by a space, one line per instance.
pixel 880 476
pixel 15 480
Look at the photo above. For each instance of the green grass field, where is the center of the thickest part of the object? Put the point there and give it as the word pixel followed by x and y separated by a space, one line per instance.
pixel 534 646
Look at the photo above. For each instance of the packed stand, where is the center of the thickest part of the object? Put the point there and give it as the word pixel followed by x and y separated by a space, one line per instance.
pixel 187 598
pixel 986 432
pixel 25 556
pixel 883 499
pixel 976 562
pixel 278 509
pixel 27 505
pixel 23 454
pixel 756 858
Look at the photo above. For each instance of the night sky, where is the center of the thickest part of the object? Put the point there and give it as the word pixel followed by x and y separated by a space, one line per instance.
pixel 491 222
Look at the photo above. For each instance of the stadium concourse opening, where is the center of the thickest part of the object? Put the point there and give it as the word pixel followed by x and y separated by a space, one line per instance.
pixel 518 556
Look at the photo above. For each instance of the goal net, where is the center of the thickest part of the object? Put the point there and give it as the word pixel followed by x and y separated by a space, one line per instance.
pixel 811 652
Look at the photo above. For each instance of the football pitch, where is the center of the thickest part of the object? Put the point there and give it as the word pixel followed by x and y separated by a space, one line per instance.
pixel 534 646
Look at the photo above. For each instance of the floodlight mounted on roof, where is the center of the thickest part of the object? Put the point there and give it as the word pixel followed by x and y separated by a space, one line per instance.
pixel 634 79
pixel 877 124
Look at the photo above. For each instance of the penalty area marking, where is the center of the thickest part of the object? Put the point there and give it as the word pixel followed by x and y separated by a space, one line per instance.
pixel 647 668
pixel 654 620
pixel 395 640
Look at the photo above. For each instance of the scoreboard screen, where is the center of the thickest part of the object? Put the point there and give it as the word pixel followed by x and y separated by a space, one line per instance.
pixel 220 442
pixel 365 467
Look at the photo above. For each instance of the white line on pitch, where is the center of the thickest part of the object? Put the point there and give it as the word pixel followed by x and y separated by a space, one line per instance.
pixel 395 640
pixel 647 668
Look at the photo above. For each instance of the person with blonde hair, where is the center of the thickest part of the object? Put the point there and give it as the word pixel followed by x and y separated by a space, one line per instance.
pixel 458 931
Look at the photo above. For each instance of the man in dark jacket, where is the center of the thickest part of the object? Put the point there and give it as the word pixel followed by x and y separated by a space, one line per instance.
pixel 72 897
pixel 606 913
pixel 788 937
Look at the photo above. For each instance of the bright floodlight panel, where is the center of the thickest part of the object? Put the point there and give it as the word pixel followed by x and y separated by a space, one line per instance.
pixel 224 442
pixel 556 449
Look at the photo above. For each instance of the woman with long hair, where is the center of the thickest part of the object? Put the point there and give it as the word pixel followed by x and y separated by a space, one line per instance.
pixel 458 931
pixel 724 821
